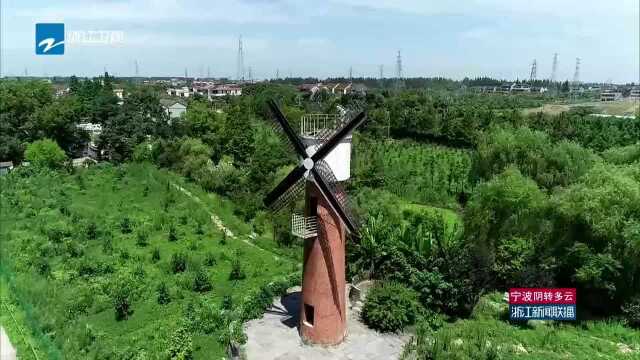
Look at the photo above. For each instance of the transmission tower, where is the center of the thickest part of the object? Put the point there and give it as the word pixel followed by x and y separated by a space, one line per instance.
pixel 381 72
pixel 399 71
pixel 208 72
pixel 250 74
pixel 350 74
pixel 26 72
pixel 554 68
pixel 240 65
pixel 136 68
pixel 186 74
pixel 277 74
pixel 534 71
pixel 576 74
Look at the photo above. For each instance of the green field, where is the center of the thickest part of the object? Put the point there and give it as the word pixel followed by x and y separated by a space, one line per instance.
pixel 67 247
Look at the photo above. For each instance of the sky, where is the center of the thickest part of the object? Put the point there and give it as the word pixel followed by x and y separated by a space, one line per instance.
pixel 454 39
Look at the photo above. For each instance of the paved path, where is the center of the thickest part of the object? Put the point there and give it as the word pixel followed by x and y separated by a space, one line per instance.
pixel 275 336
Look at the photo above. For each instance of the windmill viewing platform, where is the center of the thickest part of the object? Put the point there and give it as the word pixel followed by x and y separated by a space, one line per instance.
pixel 316 128
pixel 304 227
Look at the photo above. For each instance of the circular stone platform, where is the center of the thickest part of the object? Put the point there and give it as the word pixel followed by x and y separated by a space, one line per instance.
pixel 275 336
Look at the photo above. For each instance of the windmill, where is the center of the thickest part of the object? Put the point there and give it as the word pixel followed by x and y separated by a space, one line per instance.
pixel 324 150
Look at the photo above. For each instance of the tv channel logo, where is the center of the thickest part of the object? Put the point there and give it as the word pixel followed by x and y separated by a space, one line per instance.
pixel 49 39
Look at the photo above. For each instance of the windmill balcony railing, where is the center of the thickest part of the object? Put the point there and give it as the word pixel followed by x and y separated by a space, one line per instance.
pixel 314 124
pixel 304 227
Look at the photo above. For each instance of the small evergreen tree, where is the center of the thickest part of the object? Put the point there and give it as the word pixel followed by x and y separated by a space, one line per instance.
pixel 209 259
pixel 163 294
pixel 237 273
pixel 178 262
pixel 125 225
pixel 173 236
pixel 155 255
pixel 201 282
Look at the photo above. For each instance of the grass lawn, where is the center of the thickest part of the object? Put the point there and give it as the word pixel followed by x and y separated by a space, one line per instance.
pixel 452 220
pixel 69 242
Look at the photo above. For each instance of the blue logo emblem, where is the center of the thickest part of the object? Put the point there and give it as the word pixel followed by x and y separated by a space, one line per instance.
pixel 49 39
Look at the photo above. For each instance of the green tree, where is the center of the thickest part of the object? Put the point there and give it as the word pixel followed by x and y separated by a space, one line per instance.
pixel 45 153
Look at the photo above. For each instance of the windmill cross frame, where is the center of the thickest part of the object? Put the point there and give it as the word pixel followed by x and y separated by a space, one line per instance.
pixel 308 164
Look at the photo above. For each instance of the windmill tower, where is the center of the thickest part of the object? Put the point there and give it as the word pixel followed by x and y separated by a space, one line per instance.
pixel 324 151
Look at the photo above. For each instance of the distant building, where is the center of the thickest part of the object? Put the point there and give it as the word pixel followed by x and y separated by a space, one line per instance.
pixel 520 88
pixel 5 167
pixel 610 95
pixel 119 93
pixel 182 92
pixel 634 94
pixel 84 161
pixel 173 108
pixel 224 90
pixel 206 89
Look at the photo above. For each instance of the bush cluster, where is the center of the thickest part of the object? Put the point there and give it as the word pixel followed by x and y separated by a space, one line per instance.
pixel 390 307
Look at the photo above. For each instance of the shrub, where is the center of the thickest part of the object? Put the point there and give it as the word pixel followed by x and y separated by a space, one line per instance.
pixel 227 302
pixel 178 262
pixel 107 245
pixel 201 282
pixel 631 311
pixel 142 237
pixel 390 307
pixel 92 230
pixel 173 236
pixel 120 295
pixel 209 259
pixel 180 345
pixel 155 255
pixel 199 228
pixel 163 294
pixel 125 225
pixel 237 273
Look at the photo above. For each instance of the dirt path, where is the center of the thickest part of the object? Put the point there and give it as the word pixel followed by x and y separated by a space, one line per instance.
pixel 215 219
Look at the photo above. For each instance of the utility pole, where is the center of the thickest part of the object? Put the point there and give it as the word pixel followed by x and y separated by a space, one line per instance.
pixel 398 71
pixel 240 61
pixel 534 71
pixel 576 74
pixel 554 68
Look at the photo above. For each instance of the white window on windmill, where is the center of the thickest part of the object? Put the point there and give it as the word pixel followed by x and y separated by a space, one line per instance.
pixel 315 129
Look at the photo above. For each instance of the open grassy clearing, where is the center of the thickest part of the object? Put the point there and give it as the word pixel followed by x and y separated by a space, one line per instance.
pixel 69 242
pixel 489 335
pixel 624 107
